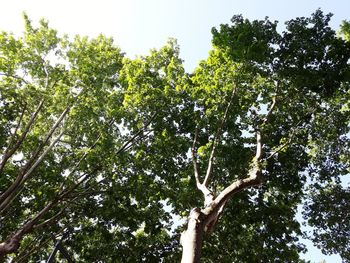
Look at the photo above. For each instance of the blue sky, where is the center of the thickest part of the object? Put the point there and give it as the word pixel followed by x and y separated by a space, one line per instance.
pixel 138 25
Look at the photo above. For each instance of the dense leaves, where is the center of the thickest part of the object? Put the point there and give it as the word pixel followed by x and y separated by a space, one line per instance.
pixel 328 212
pixel 120 174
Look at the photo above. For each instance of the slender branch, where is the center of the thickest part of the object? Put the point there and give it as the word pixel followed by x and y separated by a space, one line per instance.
pixel 52 219
pixel 76 166
pixel 9 152
pixel 208 196
pixel 86 192
pixel 56 124
pixel 280 148
pixel 42 156
pixel 23 256
pixel 31 225
pixel 269 113
pixel 254 178
pixel 24 173
pixel 82 179
pixel 9 195
pixel 14 77
pixel 130 141
pixel 138 139
pixel 85 177
pixel 12 139
pixel 258 146
pixel 194 159
pixel 12 242
pixel 216 140
pixel 46 72
pixel 259 150
pixel 6 203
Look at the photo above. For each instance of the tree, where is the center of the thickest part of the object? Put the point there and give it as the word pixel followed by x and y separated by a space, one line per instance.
pixel 327 209
pixel 229 147
pixel 286 89
pixel 63 141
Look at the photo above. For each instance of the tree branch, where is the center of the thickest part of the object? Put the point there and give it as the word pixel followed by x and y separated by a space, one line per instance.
pixel 208 196
pixel 8 196
pixel 49 221
pixel 194 159
pixel 29 250
pixel 42 156
pixel 14 77
pixel 258 153
pixel 130 141
pixel 12 196
pixel 269 113
pixel 254 178
pixel 10 151
pixel 25 174
pixel 280 148
pixel 216 140
pixel 12 242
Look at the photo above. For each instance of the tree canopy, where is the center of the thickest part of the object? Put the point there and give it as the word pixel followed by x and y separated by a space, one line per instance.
pixel 123 156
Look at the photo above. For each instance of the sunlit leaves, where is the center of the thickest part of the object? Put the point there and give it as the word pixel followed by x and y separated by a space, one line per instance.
pixel 123 211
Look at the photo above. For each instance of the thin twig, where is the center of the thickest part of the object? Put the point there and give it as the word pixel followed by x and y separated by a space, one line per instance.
pixel 15 77
pixel 29 167
pixel 25 177
pixel 9 152
pixel 216 139
pixel 194 159
pixel 281 147
pixel 51 220
pixel 126 144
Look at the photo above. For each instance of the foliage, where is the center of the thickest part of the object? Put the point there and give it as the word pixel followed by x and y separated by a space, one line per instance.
pixel 134 132
pixel 87 170
pixel 328 212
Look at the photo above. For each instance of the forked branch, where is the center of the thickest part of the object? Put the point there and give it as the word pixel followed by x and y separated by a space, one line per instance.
pixel 208 196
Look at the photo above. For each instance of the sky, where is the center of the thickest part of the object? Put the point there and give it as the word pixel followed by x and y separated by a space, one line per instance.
pixel 139 25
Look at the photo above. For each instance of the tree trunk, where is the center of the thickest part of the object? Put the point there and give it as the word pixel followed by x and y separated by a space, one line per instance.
pixel 10 245
pixel 192 238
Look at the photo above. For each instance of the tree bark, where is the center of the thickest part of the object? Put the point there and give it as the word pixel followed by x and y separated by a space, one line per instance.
pixel 192 238
pixel 10 245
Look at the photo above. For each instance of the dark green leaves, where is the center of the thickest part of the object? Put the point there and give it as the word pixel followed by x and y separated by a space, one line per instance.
pixel 328 212
pixel 132 123
pixel 312 57
pixel 247 41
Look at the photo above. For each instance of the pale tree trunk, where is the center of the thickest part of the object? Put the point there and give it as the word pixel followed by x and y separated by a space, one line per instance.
pixel 192 238
pixel 203 221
